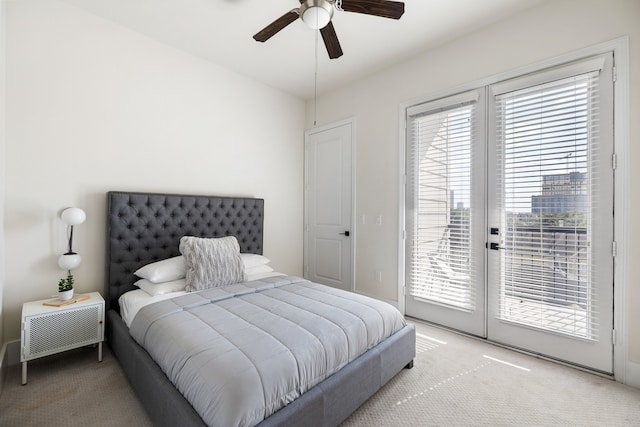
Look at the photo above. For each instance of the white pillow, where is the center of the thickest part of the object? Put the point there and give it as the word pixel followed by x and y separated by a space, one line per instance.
pixel 161 288
pixel 163 271
pixel 253 260
pixel 258 269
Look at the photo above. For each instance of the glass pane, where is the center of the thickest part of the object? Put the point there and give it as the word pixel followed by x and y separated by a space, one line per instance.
pixel 545 138
pixel 440 187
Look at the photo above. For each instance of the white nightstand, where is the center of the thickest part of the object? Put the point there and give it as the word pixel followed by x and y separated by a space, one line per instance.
pixel 49 330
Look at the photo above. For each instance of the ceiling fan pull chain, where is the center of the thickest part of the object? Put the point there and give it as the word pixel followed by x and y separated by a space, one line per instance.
pixel 315 84
pixel 338 5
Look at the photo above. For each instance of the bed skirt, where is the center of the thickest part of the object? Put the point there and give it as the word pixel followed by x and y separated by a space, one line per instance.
pixel 327 404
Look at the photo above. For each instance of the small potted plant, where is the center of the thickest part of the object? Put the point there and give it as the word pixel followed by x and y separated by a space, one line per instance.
pixel 65 288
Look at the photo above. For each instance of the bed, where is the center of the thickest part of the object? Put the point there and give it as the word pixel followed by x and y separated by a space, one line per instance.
pixel 146 227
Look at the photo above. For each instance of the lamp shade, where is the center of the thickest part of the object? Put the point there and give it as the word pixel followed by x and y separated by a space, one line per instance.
pixel 316 13
pixel 69 261
pixel 73 216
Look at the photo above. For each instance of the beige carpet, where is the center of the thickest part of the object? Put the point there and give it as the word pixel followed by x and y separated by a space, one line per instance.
pixel 71 389
pixel 461 381
pixel 456 381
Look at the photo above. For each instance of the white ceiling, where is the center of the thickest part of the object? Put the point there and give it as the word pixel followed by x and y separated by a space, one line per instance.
pixel 221 31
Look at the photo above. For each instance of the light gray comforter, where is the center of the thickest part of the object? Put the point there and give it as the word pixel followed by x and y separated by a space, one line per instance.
pixel 241 352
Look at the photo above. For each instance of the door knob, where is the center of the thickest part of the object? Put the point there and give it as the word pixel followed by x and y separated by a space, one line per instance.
pixel 346 233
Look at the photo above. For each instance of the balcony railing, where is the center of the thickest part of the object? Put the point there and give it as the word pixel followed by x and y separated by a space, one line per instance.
pixel 546 264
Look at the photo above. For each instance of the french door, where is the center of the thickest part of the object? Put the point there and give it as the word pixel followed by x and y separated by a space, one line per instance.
pixel 514 241
pixel 445 214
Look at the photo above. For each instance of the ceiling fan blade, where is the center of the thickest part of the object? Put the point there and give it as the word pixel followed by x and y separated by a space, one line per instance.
pixel 331 41
pixel 383 8
pixel 270 30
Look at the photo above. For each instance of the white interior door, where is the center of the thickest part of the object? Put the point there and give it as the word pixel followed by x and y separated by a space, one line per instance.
pixel 328 233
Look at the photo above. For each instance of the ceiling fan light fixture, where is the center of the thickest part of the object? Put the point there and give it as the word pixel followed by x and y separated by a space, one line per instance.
pixel 316 13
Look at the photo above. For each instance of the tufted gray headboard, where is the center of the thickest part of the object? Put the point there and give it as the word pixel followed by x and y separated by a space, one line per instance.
pixel 147 227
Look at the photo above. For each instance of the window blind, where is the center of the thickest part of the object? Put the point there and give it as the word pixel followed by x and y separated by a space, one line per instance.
pixel 440 264
pixel 547 149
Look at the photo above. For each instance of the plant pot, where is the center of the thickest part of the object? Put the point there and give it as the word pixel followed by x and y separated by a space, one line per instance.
pixel 65 295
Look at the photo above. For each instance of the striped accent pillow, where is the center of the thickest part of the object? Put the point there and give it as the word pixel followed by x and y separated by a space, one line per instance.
pixel 211 262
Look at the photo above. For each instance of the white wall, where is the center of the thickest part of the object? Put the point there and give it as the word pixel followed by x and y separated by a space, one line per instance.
pixel 92 107
pixel 2 162
pixel 543 32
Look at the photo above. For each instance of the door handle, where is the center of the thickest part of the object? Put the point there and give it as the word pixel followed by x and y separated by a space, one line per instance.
pixel 346 233
pixel 495 246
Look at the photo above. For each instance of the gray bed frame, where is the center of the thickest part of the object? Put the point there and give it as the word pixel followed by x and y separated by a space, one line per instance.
pixel 147 227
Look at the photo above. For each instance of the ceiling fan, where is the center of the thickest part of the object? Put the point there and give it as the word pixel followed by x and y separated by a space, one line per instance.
pixel 317 14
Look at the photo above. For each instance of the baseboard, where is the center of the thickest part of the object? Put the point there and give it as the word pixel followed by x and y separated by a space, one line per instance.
pixel 633 374
pixel 9 356
pixel 4 364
